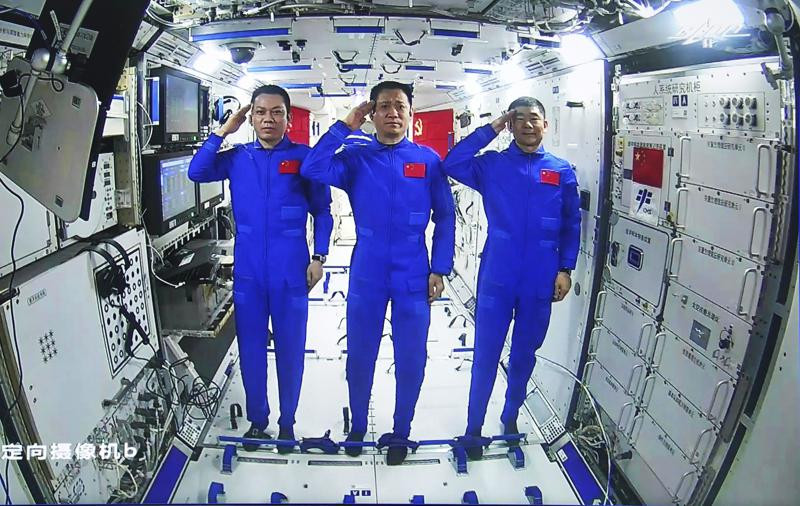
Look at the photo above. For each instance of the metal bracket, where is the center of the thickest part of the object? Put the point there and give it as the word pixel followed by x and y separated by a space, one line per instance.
pixel 460 459
pixel 469 497
pixel 227 458
pixel 533 495
pixel 215 489
pixel 517 457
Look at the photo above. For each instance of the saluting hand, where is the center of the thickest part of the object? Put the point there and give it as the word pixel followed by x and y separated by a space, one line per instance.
pixel 503 121
pixel 234 122
pixel 435 287
pixel 358 115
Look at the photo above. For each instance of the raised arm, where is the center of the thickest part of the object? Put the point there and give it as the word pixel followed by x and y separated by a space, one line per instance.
pixel 463 164
pixel 207 164
pixel 326 163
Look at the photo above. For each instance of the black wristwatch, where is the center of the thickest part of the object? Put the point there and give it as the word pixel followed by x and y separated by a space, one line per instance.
pixel 568 272
pixel 320 258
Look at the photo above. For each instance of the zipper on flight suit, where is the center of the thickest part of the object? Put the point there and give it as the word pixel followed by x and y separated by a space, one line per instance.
pixel 391 213
pixel 527 209
pixel 267 216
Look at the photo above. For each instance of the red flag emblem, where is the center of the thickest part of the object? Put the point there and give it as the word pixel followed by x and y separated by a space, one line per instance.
pixel 648 166
pixel 414 170
pixel 548 176
pixel 289 167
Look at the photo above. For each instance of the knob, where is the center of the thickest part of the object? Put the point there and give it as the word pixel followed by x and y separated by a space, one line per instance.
pixel 725 119
pixel 750 102
pixel 725 343
pixel 724 102
pixel 737 119
pixel 750 119
pixel 738 102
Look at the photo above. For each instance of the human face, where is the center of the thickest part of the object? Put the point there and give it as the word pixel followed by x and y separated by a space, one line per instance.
pixel 528 126
pixel 392 114
pixel 269 118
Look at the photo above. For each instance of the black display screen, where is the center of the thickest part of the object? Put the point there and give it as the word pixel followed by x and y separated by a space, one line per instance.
pixel 182 105
pixel 177 190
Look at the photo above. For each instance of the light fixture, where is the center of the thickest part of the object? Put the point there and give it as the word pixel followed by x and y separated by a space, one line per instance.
pixel 707 19
pixel 510 72
pixel 218 52
pixel 576 48
pixel 472 87
pixel 205 63
pixel 246 82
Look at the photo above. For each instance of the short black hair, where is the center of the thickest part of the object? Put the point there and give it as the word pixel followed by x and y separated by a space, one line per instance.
pixel 391 85
pixel 272 89
pixel 527 102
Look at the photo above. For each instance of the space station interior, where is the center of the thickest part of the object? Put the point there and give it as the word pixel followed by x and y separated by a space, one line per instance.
pixel 134 347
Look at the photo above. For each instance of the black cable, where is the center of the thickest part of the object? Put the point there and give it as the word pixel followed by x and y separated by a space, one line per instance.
pixel 340 59
pixel 11 288
pixel 413 42
pixel 399 68
pixel 5 485
pixel 389 55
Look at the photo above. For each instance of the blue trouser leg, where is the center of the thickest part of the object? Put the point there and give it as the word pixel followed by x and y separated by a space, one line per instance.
pixel 251 310
pixel 366 311
pixel 411 317
pixel 491 327
pixel 531 318
pixel 289 308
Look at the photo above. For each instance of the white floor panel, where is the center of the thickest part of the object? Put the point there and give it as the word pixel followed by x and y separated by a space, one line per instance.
pixel 256 476
pixel 441 414
pixel 327 479
pixel 493 480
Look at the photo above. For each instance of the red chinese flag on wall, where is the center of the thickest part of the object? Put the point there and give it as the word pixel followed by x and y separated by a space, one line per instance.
pixel 648 166
pixel 299 128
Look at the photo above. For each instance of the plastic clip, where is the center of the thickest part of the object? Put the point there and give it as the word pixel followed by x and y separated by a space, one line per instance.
pixel 534 495
pixel 227 458
pixel 216 488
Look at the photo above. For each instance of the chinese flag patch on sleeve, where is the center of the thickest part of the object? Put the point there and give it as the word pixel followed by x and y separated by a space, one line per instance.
pixel 414 170
pixel 548 176
pixel 648 166
pixel 289 167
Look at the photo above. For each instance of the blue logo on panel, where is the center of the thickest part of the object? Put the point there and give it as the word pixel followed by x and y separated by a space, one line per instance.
pixel 644 196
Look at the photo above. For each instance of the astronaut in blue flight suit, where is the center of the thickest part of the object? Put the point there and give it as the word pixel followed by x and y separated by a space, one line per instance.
pixel 533 210
pixel 272 270
pixel 393 185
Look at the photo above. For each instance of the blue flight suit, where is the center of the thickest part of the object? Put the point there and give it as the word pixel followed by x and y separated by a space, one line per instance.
pixel 271 202
pixel 533 209
pixel 392 190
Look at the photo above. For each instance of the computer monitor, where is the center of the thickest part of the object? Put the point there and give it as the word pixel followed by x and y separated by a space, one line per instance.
pixel 208 196
pixel 169 197
pixel 176 106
